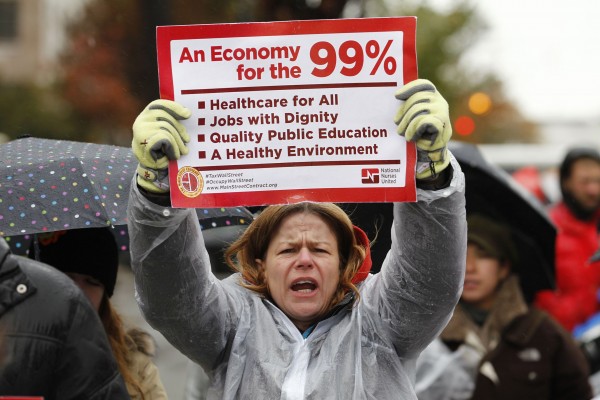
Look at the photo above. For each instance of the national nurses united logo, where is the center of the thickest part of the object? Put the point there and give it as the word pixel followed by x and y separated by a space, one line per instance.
pixel 190 182
pixel 370 175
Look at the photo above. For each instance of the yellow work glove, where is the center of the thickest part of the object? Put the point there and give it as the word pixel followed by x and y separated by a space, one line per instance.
pixel 158 137
pixel 424 118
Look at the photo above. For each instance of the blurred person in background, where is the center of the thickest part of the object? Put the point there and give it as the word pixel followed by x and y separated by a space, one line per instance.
pixel 51 340
pixel 576 217
pixel 496 346
pixel 90 258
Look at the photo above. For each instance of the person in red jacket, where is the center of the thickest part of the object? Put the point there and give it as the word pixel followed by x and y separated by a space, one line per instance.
pixel 576 218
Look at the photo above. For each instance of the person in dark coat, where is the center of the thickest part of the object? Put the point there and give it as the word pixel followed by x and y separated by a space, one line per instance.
pixel 90 257
pixel 52 343
pixel 496 346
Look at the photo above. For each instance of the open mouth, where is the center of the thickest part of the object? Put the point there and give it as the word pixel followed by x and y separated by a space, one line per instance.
pixel 304 286
pixel 470 283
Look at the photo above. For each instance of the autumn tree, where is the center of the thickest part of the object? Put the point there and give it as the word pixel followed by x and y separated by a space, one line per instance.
pixel 30 110
pixel 110 68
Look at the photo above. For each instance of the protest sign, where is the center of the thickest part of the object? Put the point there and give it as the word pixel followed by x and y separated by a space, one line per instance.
pixel 290 111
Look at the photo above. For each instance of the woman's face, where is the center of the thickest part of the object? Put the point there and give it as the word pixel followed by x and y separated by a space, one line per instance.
pixel 302 268
pixel 91 287
pixel 483 275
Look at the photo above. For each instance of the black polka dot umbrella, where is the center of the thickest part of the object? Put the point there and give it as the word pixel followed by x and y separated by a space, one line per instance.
pixel 50 185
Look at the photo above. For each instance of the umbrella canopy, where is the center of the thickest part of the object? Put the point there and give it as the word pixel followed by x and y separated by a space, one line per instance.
pixel 52 185
pixel 49 185
pixel 220 227
pixel 493 192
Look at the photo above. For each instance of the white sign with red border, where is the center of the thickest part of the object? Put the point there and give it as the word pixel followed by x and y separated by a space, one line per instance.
pixel 284 112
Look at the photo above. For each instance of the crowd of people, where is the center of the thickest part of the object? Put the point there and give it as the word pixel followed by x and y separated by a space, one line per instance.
pixel 491 317
pixel 308 311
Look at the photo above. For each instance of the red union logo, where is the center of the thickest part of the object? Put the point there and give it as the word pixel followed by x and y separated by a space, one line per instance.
pixel 190 182
pixel 370 175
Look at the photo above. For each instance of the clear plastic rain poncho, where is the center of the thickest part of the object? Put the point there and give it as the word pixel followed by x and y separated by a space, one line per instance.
pixel 249 347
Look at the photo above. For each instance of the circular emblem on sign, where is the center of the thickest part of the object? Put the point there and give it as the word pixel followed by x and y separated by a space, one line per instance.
pixel 190 182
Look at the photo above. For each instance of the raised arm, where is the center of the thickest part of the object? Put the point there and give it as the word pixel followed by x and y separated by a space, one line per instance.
pixel 175 288
pixel 422 276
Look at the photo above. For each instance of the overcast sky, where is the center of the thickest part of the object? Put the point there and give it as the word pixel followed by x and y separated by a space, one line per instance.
pixel 546 52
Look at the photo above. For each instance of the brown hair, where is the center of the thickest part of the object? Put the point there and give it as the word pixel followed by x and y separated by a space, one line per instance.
pixel 254 242
pixel 120 342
